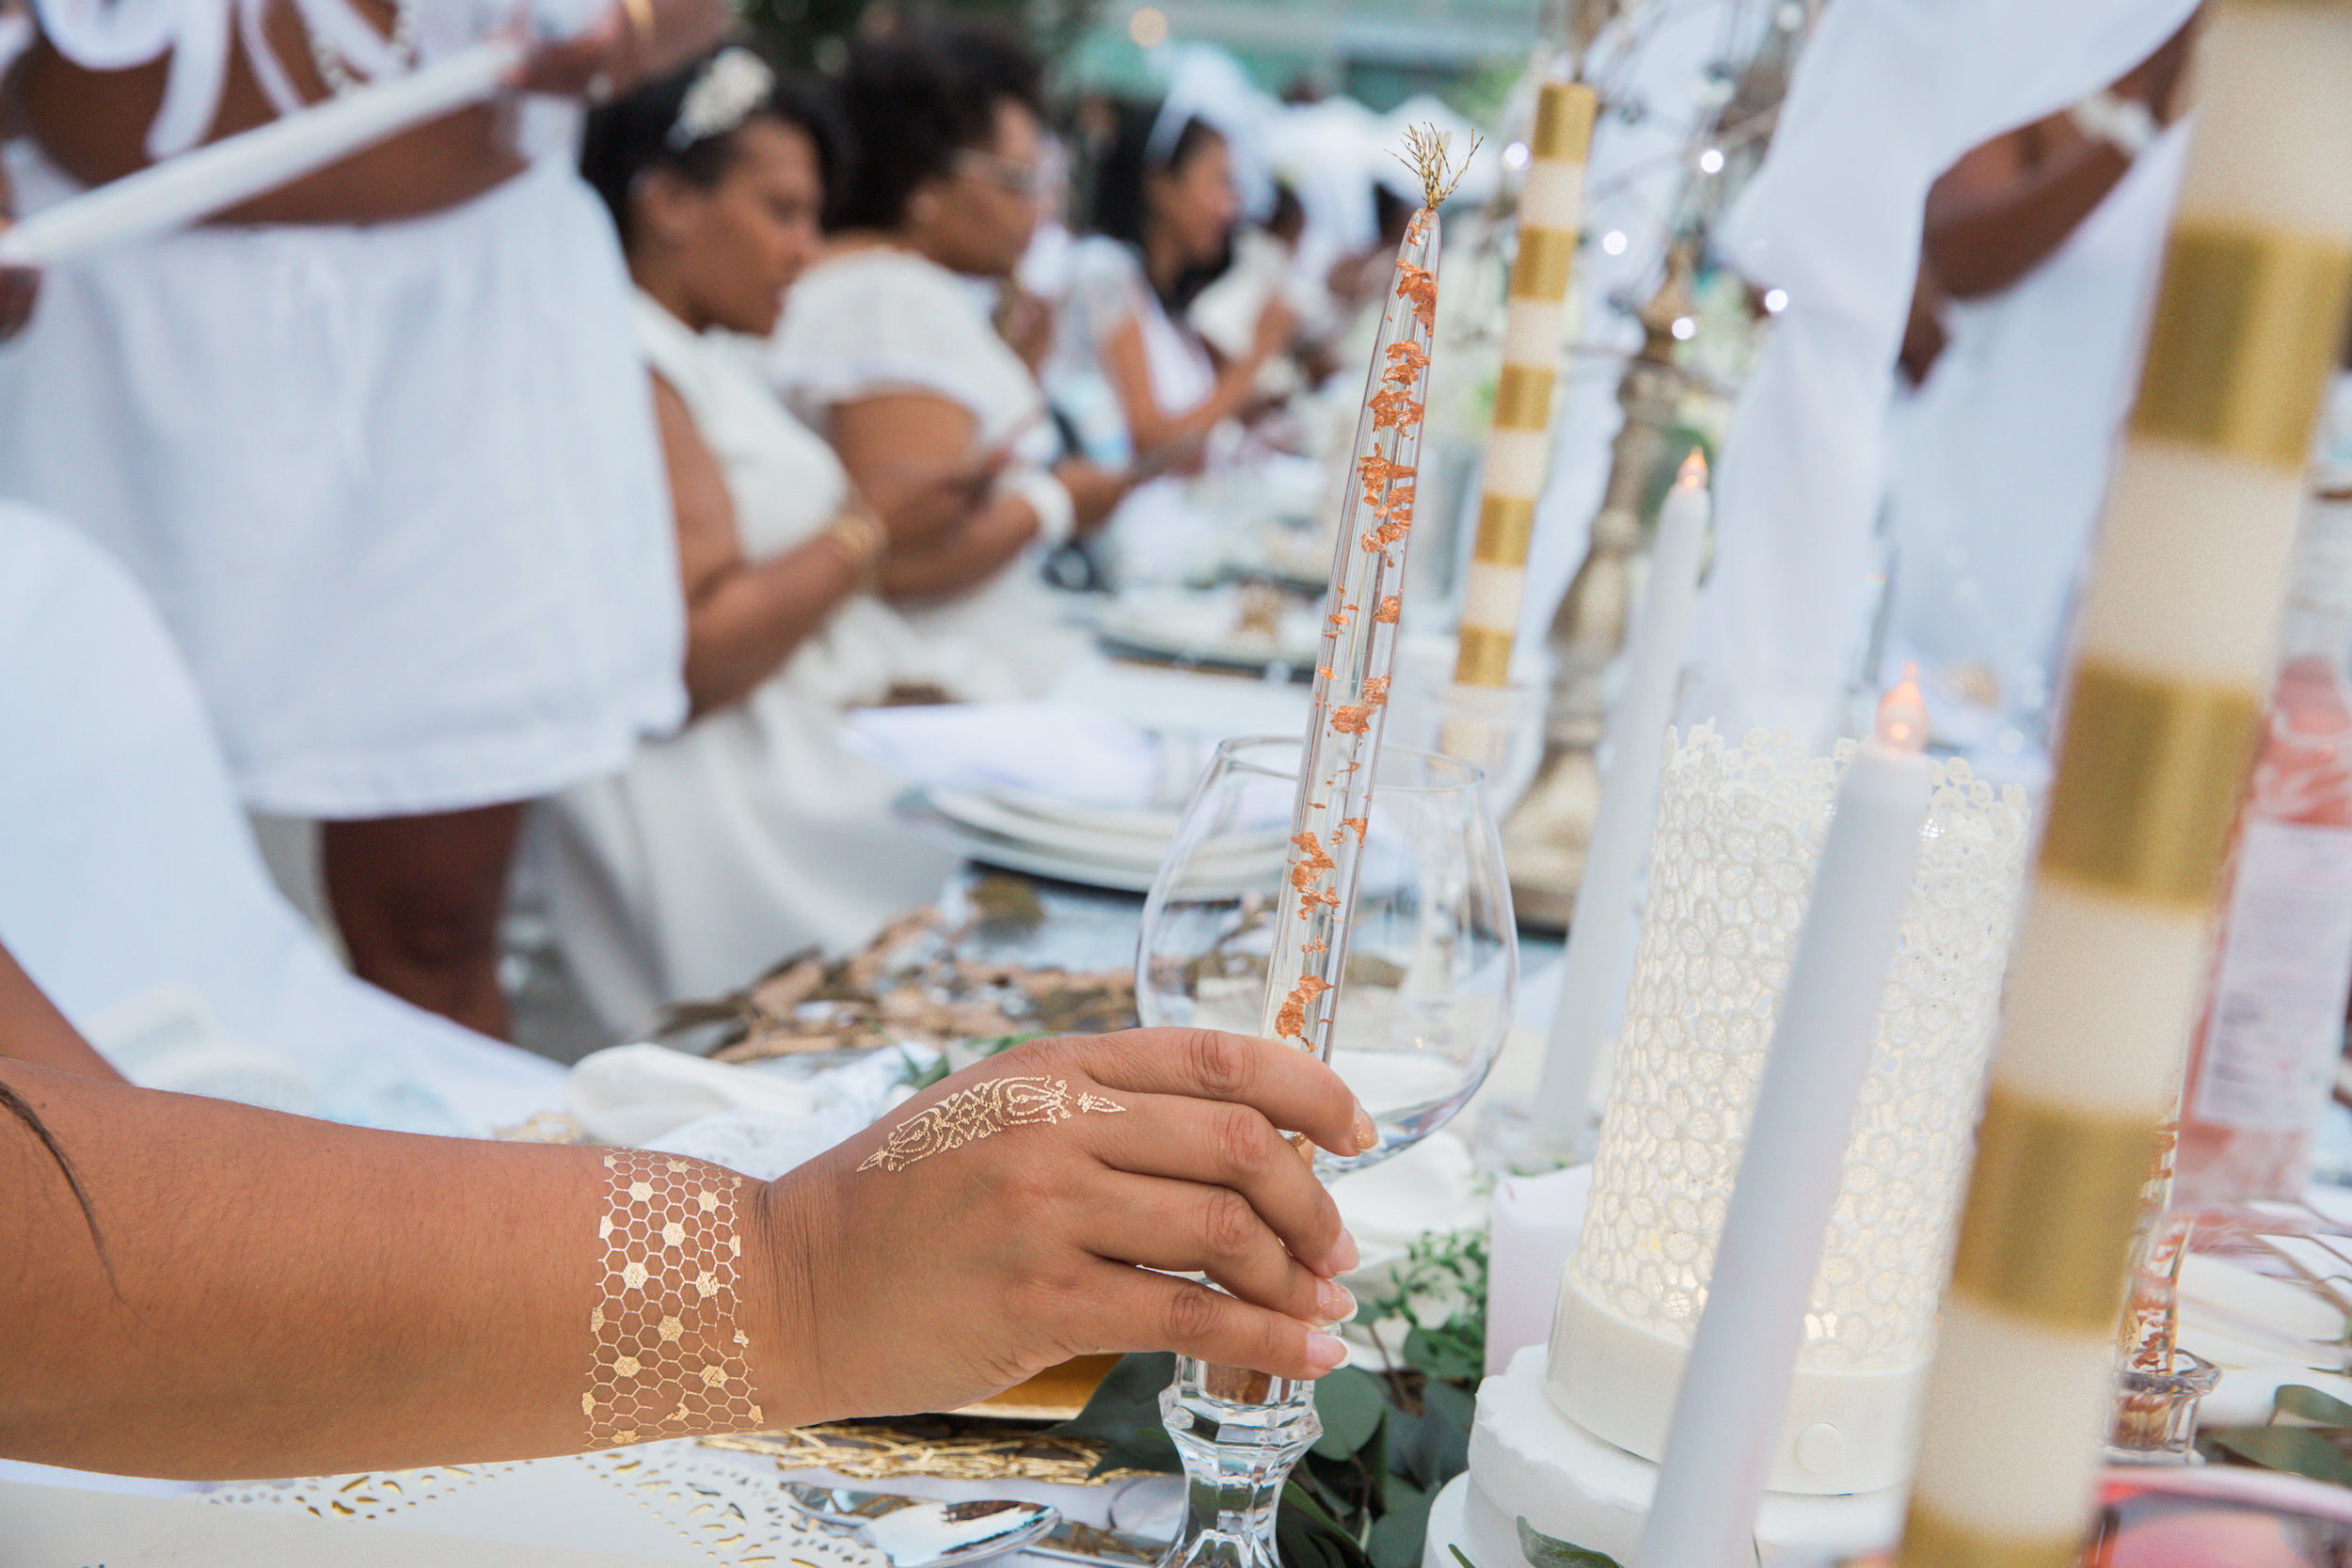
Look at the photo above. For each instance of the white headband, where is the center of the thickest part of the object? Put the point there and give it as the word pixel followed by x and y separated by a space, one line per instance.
pixel 730 87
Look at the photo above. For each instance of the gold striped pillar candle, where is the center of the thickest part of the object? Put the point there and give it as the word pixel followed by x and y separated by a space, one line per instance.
pixel 1550 207
pixel 2175 647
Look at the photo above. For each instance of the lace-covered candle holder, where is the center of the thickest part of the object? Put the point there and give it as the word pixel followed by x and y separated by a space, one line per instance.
pixel 1731 869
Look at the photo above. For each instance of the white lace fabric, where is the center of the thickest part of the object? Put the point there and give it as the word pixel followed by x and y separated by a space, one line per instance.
pixel 1739 828
pixel 726 1505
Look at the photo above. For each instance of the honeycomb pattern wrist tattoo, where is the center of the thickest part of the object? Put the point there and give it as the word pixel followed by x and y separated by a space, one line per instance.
pixel 670 1360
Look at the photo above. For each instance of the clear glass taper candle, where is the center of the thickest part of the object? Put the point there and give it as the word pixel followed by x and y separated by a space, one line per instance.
pixel 1240 1432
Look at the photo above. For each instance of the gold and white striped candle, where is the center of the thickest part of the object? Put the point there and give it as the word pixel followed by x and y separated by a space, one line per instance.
pixel 2174 658
pixel 1550 208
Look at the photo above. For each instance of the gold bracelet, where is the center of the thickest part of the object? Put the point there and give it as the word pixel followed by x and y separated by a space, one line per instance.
pixel 862 540
pixel 670 1360
pixel 640 18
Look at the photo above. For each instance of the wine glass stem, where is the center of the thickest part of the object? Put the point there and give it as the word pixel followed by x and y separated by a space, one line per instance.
pixel 1239 1434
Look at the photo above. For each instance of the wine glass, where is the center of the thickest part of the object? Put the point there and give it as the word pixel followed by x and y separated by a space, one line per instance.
pixel 1432 965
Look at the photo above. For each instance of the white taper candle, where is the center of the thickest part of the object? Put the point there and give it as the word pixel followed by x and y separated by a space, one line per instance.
pixel 193 186
pixel 1601 927
pixel 1729 1409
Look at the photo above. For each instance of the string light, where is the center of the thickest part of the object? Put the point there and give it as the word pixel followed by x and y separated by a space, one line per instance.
pixel 1148 26
pixel 1712 161
pixel 1613 242
pixel 1515 156
pixel 1685 328
pixel 1775 301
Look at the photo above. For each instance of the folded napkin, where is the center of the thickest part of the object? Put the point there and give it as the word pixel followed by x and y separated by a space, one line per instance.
pixel 760 1119
pixel 632 1093
pixel 1045 747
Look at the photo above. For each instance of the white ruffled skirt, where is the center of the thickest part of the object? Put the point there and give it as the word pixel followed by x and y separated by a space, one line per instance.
pixel 395 488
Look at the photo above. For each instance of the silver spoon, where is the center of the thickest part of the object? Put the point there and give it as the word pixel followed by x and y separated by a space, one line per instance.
pixel 921 1532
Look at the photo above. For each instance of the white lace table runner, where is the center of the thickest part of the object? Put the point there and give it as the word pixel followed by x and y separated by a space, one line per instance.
pixel 729 1508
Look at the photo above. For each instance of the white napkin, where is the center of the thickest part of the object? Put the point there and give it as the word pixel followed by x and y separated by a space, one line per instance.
pixel 633 1094
pixel 1051 747
pixel 1431 1186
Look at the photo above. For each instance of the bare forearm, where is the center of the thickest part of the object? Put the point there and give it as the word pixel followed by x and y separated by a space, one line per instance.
pixel 32 1030
pixel 1149 428
pixel 741 628
pixel 1979 242
pixel 290 1296
pixel 975 552
pixel 1096 491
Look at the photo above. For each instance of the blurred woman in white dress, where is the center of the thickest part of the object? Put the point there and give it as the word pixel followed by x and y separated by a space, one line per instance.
pixel 753 833
pixel 886 345
pixel 376 443
pixel 1163 218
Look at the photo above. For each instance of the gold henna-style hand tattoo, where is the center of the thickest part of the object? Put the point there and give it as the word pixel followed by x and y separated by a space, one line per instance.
pixel 670 1361
pixel 970 1114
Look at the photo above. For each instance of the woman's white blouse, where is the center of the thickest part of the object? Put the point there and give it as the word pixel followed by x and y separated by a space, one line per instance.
pixel 881 320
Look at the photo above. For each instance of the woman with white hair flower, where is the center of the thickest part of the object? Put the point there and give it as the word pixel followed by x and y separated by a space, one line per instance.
pixel 752 831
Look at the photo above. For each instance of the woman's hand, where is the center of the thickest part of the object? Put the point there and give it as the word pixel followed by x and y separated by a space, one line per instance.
pixel 1012 1217
pixel 20 287
pixel 1277 325
pixel 630 42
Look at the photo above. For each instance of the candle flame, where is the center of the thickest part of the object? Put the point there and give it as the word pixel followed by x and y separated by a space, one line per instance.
pixel 1692 474
pixel 1902 725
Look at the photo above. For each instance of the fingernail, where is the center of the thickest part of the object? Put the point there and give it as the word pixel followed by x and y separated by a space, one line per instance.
pixel 1344 1255
pixel 1366 1133
pixel 1333 1304
pixel 1325 1351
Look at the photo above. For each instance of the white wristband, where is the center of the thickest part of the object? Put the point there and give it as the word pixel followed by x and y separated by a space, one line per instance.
pixel 1057 515
pixel 2126 123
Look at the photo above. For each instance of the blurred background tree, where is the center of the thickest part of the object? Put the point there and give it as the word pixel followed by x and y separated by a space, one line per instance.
pixel 1382 52
pixel 809 33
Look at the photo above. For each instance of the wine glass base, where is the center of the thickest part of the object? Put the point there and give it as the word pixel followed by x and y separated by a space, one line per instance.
pixel 1239 1434
pixel 1505 1141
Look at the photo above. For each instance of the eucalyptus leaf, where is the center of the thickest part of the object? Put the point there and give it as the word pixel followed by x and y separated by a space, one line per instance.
pixel 1124 1416
pixel 1449 1352
pixel 1350 1406
pixel 1397 1536
pixel 1308 1537
pixel 1452 1402
pixel 1431 1447
pixel 2311 1406
pixel 1546 1551
pixel 2297 1450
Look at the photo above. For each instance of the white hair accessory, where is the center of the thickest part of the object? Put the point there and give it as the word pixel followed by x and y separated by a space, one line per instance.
pixel 733 84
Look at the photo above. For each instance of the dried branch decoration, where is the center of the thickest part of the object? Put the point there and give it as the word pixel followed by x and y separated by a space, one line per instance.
pixel 1427 154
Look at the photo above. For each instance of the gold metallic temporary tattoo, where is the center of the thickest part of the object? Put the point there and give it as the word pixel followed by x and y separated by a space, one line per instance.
pixel 970 1114
pixel 670 1360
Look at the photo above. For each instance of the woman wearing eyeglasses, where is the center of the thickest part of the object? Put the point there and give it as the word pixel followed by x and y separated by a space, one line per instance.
pixel 887 348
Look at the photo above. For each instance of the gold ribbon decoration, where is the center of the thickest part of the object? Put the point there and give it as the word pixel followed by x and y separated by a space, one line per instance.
pixel 1563 123
pixel 2052 1203
pixel 1505 524
pixel 1483 657
pixel 2248 323
pixel 1523 398
pixel 2148 778
pixel 1540 271
pixel 1931 1540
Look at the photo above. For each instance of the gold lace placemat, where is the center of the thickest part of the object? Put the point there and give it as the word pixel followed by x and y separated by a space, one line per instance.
pixel 945 1449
